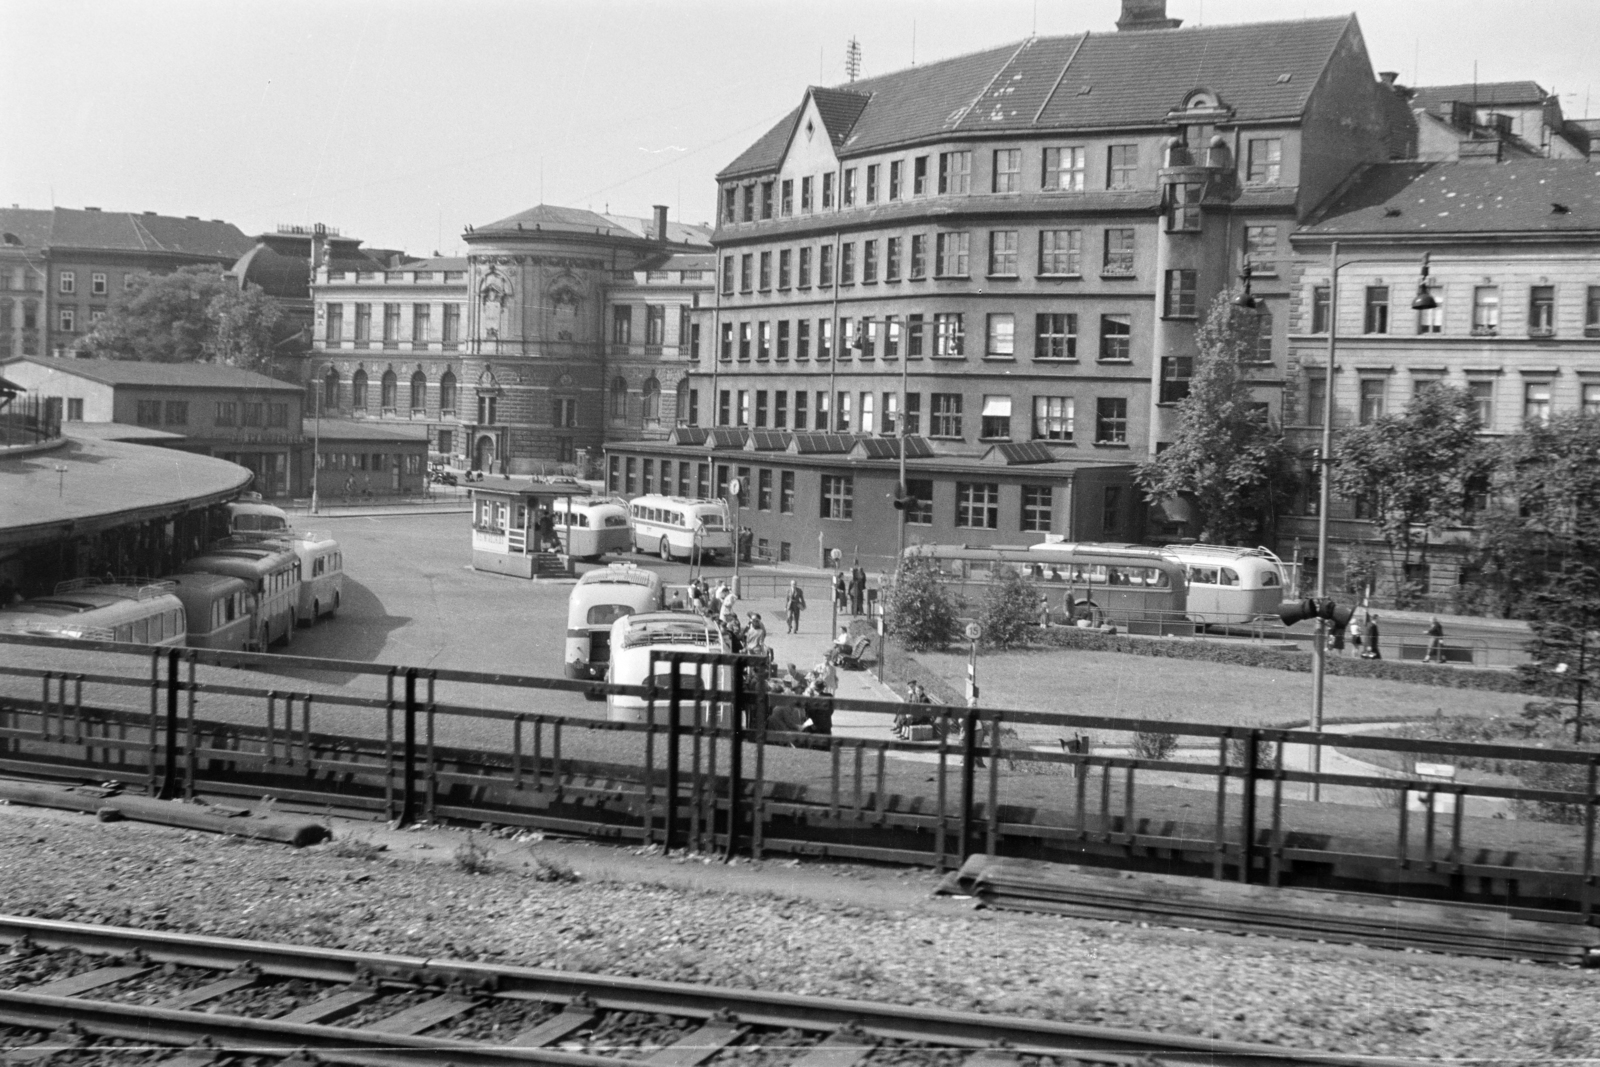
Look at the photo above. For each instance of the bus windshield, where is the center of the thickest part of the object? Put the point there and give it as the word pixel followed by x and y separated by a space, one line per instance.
pixel 606 614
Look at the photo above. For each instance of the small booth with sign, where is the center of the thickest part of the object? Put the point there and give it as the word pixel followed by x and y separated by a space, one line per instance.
pixel 514 529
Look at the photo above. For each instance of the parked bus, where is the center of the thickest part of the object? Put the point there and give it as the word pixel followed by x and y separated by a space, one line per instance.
pixel 588 529
pixel 601 597
pixel 1230 586
pixel 272 570
pixel 250 516
pixel 674 527
pixel 321 573
pixel 219 609
pixel 133 610
pixel 635 637
pixel 1090 583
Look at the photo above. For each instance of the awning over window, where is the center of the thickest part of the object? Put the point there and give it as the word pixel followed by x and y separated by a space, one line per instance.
pixel 997 407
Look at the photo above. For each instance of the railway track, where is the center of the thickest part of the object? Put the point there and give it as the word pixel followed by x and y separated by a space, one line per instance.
pixel 71 992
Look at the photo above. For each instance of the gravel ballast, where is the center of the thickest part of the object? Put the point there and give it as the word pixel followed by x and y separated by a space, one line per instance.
pixel 777 925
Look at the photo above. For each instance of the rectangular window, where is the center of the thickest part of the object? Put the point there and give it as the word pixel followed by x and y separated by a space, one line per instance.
pixel 1431 320
pixel 727 275
pixel 1052 418
pixel 872 183
pixel 978 505
pixel 805 194
pixel 919 508
pixel 1003 252
pixel 1261 249
pixel 824 339
pixel 1008 170
pixel 647 477
pixel 953 255
pixel 747 272
pixel 895 169
pixel 995 422
pixel 363 322
pixel 919 176
pixel 765 275
pixel 744 408
pixel 764 340
pixel 825 266
pixel 631 477
pixel 800 397
pixel 786 197
pixel 1175 374
pixel 766 200
pixel 1060 252
pixel 1063 170
pixel 250 414
pixel 1377 313
pixel 866 413
pixel 147 412
pixel 1181 294
pixel 764 489
pixel 1319 309
pixel 730 213
pixel 744 486
pixel 867 338
pixel 784 257
pixel 335 326
pixel 1111 420
pixel 1116 338
pixel 655 324
pixel 1036 508
pixel 1316 398
pixel 1002 335
pixel 913 413
pixel 1486 311
pixel 421 321
pixel 1536 402
pixel 891 336
pixel 1542 311
pixel 1591 312
pixel 1119 252
pixel 1372 394
pixel 827 189
pixel 726 348
pixel 391 322
pixel 838 491
pixel 68 319
pixel 724 407
pixel 804 265
pixel 944 418
pixel 1183 207
pixel 227 413
pixel 949 335
pixel 68 282
pixel 869 262
pixel 1261 352
pixel 841 416
pixel 177 412
pixel 97 284
pixel 891 259
pixel 745 332
pixel 1122 166
pixel 822 410
pixel 919 258
pixel 955 173
pixel 1590 400
pixel 1481 390
pixel 802 339
pixel 780 410
pixel 1265 161
pixel 891 413
pixel 786 492
pixel 914 336
pixel 1111 511
pixel 783 340
pixel 1055 335
pixel 566 412
pixel 847 188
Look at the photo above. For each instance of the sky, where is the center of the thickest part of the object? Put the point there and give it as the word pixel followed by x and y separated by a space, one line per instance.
pixel 400 122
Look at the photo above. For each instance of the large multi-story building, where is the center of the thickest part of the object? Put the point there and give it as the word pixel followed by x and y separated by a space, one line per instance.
pixel 1030 235
pixel 1514 267
pixel 85 256
pixel 560 330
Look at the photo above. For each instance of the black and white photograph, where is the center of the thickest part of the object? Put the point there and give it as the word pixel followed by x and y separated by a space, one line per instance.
pixel 799 533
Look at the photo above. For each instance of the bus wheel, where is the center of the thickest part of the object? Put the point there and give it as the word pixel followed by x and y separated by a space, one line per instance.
pixel 665 549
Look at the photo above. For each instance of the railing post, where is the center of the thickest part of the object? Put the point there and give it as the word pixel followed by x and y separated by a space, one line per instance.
pixel 735 758
pixel 969 761
pixel 1588 838
pixel 169 775
pixel 674 707
pixel 150 787
pixel 409 755
pixel 1247 856
pixel 188 734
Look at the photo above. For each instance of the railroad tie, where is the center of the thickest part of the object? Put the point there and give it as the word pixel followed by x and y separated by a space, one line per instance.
pixel 341 1003
pixel 87 980
pixel 845 1047
pixel 572 1018
pixel 419 1017
pixel 695 1048
pixel 211 991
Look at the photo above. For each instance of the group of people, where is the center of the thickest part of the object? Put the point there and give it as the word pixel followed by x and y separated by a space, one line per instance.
pixel 1364 639
pixel 850 594
pixel 720 604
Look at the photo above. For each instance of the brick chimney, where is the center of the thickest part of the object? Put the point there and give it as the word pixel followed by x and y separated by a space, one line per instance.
pixel 661 223
pixel 1146 15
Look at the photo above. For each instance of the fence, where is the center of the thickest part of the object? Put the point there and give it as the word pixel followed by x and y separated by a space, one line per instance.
pixel 30 420
pixel 730 769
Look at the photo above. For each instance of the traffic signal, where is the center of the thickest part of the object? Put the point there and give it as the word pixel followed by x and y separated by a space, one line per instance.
pixel 1293 611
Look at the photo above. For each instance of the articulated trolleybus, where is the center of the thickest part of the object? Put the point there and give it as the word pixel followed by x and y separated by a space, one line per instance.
pixel 133 610
pixel 321 572
pixel 675 527
pixel 635 637
pixel 601 597
pixel 272 570
pixel 588 529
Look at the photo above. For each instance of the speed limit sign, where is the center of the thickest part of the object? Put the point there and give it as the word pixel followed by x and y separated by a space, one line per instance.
pixel 974 631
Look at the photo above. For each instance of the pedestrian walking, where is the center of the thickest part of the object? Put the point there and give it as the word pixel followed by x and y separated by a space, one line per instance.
pixel 858 588
pixel 1355 638
pixel 1371 651
pixel 841 593
pixel 755 635
pixel 1435 641
pixel 793 605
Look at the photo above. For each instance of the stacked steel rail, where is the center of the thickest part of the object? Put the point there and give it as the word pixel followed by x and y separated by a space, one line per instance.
pixel 561 1007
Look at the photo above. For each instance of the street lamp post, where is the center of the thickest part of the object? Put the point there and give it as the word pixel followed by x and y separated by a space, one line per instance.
pixel 1424 301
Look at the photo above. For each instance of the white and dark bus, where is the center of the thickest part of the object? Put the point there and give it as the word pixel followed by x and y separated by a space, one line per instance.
pixel 675 527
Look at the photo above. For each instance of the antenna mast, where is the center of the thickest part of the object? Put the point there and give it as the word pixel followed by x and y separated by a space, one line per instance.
pixel 852 59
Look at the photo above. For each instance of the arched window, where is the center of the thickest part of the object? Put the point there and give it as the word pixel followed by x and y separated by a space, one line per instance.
pixel 330 390
pixel 447 394
pixel 358 390
pixel 619 398
pixel 682 414
pixel 652 400
pixel 419 393
pixel 391 389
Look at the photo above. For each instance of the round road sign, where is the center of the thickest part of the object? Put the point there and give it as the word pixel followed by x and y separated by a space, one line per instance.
pixel 733 487
pixel 974 631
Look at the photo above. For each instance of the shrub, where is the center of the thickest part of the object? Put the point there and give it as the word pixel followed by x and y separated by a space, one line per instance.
pixel 918 610
pixel 1239 752
pixel 1154 744
pixel 472 856
pixel 1010 610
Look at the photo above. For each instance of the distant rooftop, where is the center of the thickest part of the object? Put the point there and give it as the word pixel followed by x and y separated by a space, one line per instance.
pixel 170 375
pixel 91 229
pixel 1524 196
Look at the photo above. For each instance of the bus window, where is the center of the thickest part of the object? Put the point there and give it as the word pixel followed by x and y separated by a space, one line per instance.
pixel 124 633
pixel 1230 576
pixel 606 614
pixel 1203 576
pixel 616 520
pixel 1160 580
pixel 1269 579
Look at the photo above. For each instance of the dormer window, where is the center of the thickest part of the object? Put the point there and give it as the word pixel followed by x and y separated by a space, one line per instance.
pixel 1265 161
pixel 1201 100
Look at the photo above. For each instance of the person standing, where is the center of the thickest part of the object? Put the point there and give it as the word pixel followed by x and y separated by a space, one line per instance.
pixel 858 588
pixel 1435 642
pixel 1371 651
pixel 793 605
pixel 841 595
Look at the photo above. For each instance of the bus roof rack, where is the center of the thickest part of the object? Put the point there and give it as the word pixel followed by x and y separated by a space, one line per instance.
pixel 135 588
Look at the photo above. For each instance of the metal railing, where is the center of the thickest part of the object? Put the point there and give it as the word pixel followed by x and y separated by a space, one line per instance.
pixel 749 766
pixel 29 420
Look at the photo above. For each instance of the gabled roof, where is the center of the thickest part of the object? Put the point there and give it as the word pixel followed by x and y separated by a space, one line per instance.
pixel 1261 71
pixel 1483 94
pixel 889 448
pixel 170 375
pixel 1017 452
pixel 1522 196
pixel 830 443
pixel 688 435
pixel 725 437
pixel 767 441
pixel 123 231
pixel 839 108
pixel 31 227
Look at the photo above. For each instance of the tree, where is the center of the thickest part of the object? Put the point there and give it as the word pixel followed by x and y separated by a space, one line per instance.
pixel 1413 470
pixel 1010 609
pixel 918 610
pixel 193 315
pixel 1226 459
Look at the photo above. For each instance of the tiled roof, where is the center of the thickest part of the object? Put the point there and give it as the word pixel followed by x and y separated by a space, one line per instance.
pixel 767 441
pixel 1263 70
pixel 1020 452
pixel 559 219
pixel 726 437
pixel 831 443
pixel 171 375
pixel 366 430
pixel 839 108
pixel 688 435
pixel 1522 196
pixel 1483 94
pixel 889 448
pixel 677 232
pixel 126 231
pixel 30 226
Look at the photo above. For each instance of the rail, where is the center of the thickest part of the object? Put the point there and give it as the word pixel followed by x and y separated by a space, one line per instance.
pixel 787 773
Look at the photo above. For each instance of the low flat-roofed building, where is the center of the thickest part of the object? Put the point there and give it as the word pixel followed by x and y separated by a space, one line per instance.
pixel 369 458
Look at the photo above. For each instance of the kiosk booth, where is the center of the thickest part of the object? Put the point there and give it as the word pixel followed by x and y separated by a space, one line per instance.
pixel 514 530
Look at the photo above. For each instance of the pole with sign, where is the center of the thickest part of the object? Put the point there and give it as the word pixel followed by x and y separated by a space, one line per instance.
pixel 974 631
pixel 734 485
